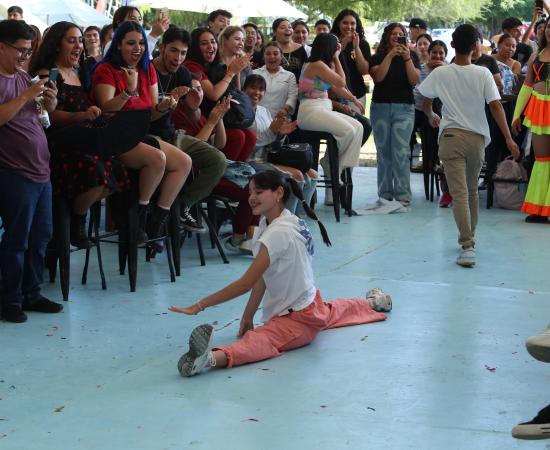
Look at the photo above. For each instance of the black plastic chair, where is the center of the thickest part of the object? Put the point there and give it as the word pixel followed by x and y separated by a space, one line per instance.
pixel 59 249
pixel 341 193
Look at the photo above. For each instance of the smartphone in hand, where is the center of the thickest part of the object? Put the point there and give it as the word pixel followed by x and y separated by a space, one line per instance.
pixel 54 73
pixel 402 40
pixel 540 7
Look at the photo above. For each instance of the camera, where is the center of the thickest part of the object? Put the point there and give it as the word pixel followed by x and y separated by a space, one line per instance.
pixel 402 40
pixel 540 6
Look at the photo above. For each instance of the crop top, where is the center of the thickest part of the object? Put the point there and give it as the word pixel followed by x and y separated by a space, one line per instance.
pixel 541 70
pixel 312 88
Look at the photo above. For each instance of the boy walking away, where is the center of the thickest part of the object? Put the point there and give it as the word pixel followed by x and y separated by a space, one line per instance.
pixel 464 131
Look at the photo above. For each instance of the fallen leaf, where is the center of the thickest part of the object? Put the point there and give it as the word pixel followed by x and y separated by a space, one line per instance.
pixel 364 338
pixel 59 409
pixel 323 406
pixel 264 369
pixel 531 292
pixel 371 408
pixel 55 328
pixel 63 338
pixel 49 335
pixel 250 420
pixel 490 369
pixel 215 322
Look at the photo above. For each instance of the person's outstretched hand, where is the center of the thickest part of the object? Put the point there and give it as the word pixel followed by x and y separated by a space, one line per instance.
pixel 192 310
pixel 246 325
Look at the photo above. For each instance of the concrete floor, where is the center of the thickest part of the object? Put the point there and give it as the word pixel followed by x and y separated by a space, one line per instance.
pixel 447 370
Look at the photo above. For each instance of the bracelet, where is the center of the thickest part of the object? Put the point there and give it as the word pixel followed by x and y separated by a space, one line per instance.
pixel 125 93
pixel 131 94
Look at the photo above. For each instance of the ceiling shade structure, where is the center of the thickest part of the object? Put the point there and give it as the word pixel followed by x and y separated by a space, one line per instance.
pixel 52 11
pixel 239 8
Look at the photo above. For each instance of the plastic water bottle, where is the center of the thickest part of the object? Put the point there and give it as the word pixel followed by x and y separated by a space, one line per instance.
pixel 508 81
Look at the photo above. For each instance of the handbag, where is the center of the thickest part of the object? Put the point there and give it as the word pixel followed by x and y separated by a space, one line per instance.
pixel 241 113
pixel 299 155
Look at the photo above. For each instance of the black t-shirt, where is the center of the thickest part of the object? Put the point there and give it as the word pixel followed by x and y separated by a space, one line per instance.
pixel 163 126
pixel 354 80
pixel 294 61
pixel 523 53
pixel 395 87
pixel 489 62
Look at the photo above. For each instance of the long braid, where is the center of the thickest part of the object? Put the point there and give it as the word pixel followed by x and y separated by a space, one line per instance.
pixel 310 213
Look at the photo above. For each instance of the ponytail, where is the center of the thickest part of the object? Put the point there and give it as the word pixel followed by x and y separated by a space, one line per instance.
pixel 295 188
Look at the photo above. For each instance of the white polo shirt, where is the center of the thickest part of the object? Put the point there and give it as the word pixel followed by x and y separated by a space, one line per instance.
pixel 289 279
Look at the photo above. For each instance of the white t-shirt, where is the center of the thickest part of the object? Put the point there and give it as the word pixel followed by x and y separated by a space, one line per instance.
pixel 463 90
pixel 289 277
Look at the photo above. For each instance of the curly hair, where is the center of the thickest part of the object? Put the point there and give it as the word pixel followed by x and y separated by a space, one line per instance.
pixel 49 48
pixel 384 46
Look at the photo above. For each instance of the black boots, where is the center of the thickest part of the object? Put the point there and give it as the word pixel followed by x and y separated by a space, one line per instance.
pixel 142 237
pixel 78 235
pixel 156 227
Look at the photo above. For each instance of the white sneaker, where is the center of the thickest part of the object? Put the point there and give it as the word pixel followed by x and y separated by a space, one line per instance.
pixel 539 346
pixel 246 246
pixel 233 246
pixel 198 357
pixel 379 300
pixel 466 257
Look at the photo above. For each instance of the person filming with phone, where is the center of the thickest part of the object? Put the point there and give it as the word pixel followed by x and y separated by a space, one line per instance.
pixel 395 71
pixel 25 189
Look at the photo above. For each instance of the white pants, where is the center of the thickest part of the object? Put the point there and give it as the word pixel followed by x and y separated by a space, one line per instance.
pixel 317 115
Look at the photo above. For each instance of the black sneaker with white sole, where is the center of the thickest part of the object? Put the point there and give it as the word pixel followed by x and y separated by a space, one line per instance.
pixel 189 223
pixel 538 428
pixel 196 359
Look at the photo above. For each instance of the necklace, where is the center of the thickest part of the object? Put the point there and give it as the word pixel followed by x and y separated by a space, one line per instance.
pixel 163 88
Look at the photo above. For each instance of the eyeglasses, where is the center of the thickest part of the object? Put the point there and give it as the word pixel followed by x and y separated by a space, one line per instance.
pixel 23 51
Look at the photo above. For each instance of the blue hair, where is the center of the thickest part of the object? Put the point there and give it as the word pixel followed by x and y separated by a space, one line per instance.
pixel 113 55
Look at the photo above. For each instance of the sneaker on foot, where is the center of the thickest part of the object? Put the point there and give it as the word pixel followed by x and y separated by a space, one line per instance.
pixel 43 305
pixel 189 223
pixel 538 428
pixel 466 257
pixel 446 200
pixel 539 346
pixel 13 313
pixel 233 245
pixel 197 358
pixel 379 300
pixel 246 246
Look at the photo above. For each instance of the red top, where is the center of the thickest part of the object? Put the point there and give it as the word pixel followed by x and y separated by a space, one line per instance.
pixel 106 73
pixel 182 122
pixel 196 67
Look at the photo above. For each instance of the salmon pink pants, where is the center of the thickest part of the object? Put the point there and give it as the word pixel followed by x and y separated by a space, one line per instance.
pixel 298 328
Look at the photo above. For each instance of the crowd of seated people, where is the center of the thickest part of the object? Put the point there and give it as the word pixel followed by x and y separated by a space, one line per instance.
pixel 217 100
pixel 194 143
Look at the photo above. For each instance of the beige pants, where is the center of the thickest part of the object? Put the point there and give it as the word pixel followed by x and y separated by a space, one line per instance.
pixel 462 154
